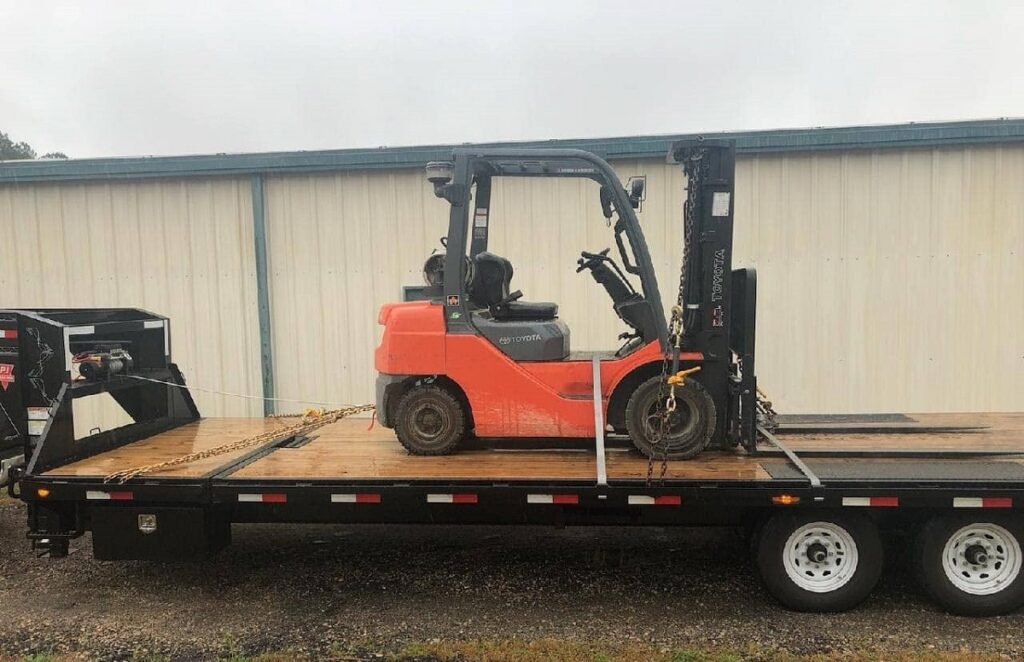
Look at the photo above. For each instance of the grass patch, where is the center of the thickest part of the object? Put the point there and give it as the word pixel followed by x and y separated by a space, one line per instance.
pixel 577 651
pixel 552 650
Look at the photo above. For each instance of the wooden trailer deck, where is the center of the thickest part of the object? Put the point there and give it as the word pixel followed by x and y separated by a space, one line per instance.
pixel 349 450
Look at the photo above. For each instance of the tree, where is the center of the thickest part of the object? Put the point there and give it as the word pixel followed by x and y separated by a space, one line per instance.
pixel 12 151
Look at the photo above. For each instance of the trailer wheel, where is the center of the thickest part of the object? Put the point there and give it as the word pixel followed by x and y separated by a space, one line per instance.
pixel 971 563
pixel 690 426
pixel 819 561
pixel 429 420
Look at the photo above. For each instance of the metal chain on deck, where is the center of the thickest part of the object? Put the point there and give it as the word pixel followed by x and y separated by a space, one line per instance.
pixel 311 420
pixel 767 417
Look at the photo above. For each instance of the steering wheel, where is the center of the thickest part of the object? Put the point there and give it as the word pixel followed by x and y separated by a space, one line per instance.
pixel 591 260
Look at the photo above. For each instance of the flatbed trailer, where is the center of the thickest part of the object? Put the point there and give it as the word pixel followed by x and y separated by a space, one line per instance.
pixel 817 497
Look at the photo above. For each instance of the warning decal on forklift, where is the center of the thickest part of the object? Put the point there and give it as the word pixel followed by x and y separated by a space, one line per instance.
pixel 453 299
pixel 720 204
pixel 6 375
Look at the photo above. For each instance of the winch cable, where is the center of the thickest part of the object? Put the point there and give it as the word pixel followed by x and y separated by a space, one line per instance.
pixel 311 419
pixel 235 395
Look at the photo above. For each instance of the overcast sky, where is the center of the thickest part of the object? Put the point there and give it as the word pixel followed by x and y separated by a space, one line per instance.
pixel 136 77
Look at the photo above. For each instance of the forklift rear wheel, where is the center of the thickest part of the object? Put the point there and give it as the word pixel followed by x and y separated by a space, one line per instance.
pixel 971 563
pixel 819 561
pixel 688 429
pixel 430 420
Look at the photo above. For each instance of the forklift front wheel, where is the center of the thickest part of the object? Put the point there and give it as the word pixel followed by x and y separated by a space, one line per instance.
pixel 686 431
pixel 429 420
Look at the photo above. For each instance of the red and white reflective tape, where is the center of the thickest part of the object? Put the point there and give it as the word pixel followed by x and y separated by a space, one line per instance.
pixel 362 497
pixel 8 334
pixel 97 495
pixel 647 500
pixel 872 502
pixel 451 498
pixel 265 497
pixel 982 502
pixel 565 499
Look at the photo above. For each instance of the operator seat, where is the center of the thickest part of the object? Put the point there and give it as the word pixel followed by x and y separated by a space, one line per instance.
pixel 492 275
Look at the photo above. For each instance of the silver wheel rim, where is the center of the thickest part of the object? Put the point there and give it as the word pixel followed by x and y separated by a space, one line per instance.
pixel 820 557
pixel 981 559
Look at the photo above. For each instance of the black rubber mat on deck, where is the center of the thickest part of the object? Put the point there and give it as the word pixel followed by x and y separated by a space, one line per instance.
pixel 896 471
pixel 837 419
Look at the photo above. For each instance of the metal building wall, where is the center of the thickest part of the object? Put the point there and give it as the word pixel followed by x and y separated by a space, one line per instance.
pixel 182 248
pixel 890 280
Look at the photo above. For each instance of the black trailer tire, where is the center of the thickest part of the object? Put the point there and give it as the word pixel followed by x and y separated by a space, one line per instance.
pixel 970 563
pixel 430 420
pixel 690 430
pixel 789 543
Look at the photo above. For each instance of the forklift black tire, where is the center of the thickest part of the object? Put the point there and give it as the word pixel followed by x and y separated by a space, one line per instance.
pixel 819 561
pixel 690 428
pixel 430 420
pixel 970 563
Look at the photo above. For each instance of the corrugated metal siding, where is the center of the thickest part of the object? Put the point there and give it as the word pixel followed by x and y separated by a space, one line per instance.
pixel 889 280
pixel 180 248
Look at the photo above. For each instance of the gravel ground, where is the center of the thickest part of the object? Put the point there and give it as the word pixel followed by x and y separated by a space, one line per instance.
pixel 320 589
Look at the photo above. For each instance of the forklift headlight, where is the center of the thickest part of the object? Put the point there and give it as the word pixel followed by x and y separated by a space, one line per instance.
pixel 440 173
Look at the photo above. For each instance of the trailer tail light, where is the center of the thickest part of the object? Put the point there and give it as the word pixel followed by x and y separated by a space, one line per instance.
pixel 873 502
pixel 661 500
pixel 564 499
pixel 8 334
pixel 266 497
pixel 363 497
pixel 982 502
pixel 96 495
pixel 451 498
pixel 785 500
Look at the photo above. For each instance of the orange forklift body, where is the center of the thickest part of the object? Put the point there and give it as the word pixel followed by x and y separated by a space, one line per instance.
pixel 507 399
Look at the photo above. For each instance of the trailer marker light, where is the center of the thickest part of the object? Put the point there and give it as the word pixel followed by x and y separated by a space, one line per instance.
pixel 267 497
pixel 982 502
pixel 97 495
pixel 875 502
pixel 785 500
pixel 42 492
pixel 451 498
pixel 661 500
pixel 363 497
pixel 564 499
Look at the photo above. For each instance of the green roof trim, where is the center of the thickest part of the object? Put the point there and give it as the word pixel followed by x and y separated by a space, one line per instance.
pixel 928 134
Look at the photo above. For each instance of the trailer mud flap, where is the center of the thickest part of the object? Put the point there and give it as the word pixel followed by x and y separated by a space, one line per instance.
pixel 157 534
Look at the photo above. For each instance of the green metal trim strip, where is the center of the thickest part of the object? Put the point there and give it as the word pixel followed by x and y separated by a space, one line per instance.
pixel 747 142
pixel 259 228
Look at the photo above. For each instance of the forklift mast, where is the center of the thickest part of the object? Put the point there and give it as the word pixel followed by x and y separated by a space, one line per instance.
pixel 718 304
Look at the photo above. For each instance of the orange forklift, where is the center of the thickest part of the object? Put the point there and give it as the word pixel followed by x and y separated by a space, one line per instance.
pixel 477 360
